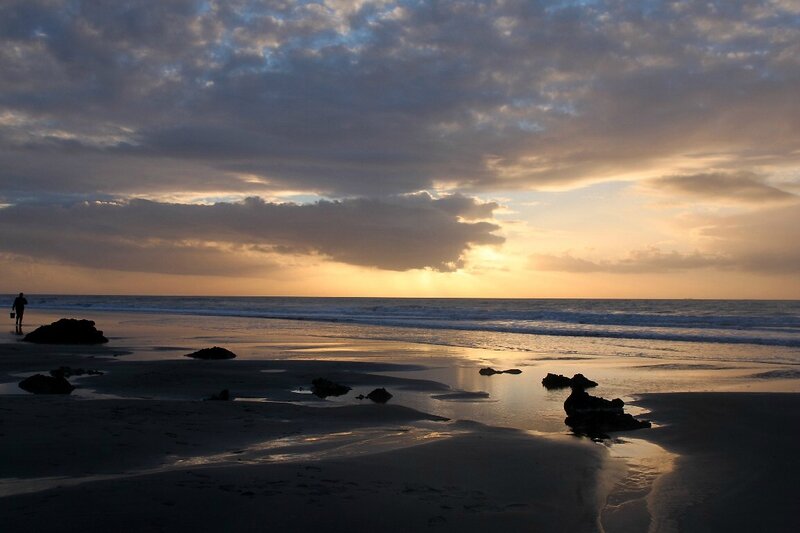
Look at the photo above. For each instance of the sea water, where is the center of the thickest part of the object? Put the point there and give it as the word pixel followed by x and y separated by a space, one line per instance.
pixel 629 346
pixel 774 323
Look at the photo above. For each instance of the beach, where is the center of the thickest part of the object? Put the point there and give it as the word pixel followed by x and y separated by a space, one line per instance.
pixel 139 449
pixel 375 266
pixel 737 462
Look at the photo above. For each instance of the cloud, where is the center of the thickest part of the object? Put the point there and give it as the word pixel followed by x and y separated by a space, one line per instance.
pixel 743 187
pixel 371 102
pixel 649 260
pixel 762 241
pixel 399 233
pixel 382 98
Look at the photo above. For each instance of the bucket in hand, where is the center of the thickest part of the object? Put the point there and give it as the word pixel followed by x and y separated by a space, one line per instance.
pixel 13 315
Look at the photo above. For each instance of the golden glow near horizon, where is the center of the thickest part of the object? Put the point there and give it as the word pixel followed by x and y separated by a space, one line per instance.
pixel 360 149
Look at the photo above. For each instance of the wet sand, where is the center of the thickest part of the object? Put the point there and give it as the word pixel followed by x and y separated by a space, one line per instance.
pixel 142 451
pixel 137 449
pixel 737 467
pixel 180 466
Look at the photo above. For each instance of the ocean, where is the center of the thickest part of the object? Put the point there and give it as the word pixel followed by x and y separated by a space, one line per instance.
pixel 774 323
pixel 629 346
pixel 727 329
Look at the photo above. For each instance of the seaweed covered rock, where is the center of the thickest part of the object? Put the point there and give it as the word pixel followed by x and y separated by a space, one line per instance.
pixel 322 388
pixel 379 395
pixel 595 416
pixel 579 381
pixel 214 353
pixel 557 381
pixel 41 384
pixel 489 371
pixel 67 331
pixel 581 401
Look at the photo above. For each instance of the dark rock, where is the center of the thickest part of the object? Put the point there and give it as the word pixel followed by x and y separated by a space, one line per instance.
pixel 579 381
pixel 223 396
pixel 598 425
pixel 581 401
pixel 489 371
pixel 322 388
pixel 595 416
pixel 379 395
pixel 361 397
pixel 41 384
pixel 557 381
pixel 214 353
pixel 67 331
pixel 67 372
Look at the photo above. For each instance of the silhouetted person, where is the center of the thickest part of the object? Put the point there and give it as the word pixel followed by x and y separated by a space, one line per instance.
pixel 19 308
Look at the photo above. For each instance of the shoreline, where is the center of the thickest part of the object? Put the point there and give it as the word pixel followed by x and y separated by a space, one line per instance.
pixel 172 447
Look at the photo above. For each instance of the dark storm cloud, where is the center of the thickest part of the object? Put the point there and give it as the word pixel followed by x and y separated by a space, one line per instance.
pixel 389 97
pixel 399 233
pixel 743 187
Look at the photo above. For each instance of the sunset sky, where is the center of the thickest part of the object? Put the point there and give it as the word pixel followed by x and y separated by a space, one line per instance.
pixel 397 148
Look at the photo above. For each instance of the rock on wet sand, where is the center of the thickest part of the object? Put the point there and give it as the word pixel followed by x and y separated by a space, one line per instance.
pixel 67 331
pixel 322 388
pixel 213 353
pixel 489 371
pixel 41 384
pixel 557 381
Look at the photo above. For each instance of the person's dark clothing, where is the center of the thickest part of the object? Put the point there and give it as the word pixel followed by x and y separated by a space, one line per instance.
pixel 19 304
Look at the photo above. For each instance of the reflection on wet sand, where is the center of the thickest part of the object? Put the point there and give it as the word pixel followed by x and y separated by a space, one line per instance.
pixel 634 466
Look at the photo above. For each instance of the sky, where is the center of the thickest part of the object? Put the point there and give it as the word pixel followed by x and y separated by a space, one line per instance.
pixel 614 149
